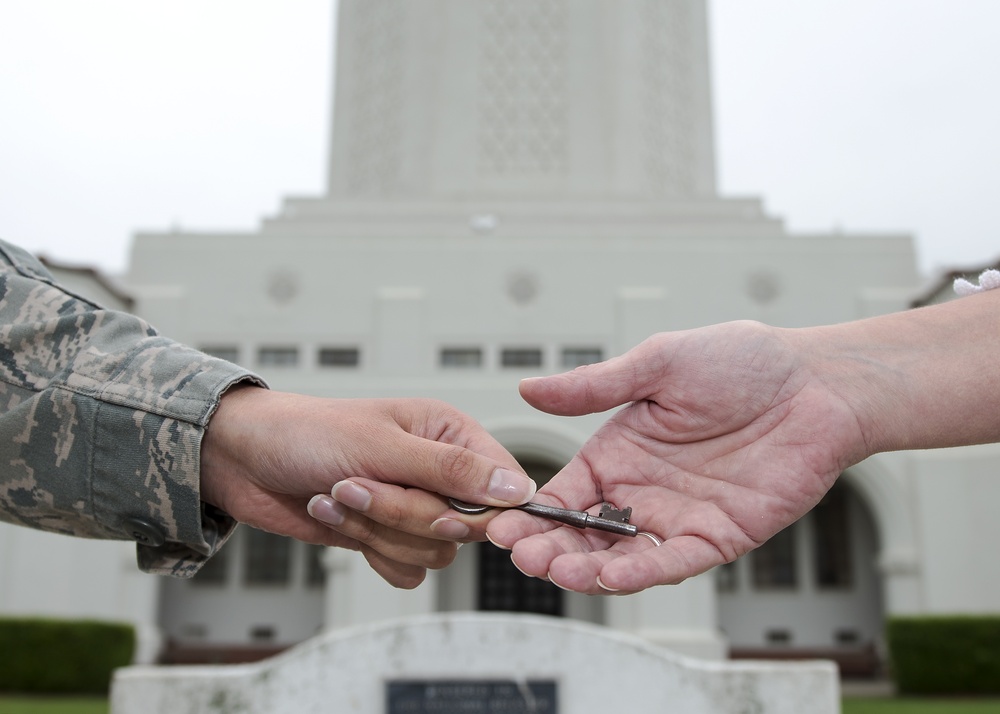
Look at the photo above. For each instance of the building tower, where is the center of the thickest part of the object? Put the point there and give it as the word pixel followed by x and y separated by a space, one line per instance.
pixel 521 118
pixel 526 99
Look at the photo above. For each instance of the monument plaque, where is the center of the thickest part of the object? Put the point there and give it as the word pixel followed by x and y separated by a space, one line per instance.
pixel 471 696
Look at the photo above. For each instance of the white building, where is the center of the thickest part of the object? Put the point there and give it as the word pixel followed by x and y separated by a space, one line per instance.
pixel 517 187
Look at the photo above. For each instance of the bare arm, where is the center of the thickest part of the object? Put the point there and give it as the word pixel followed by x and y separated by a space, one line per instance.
pixel 733 432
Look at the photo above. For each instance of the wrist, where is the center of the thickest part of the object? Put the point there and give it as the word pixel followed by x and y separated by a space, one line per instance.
pixel 225 444
pixel 854 366
pixel 917 379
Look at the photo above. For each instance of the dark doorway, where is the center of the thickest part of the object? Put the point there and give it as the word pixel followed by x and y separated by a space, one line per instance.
pixel 504 588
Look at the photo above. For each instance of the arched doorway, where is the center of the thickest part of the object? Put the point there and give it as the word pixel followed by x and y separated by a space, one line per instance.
pixel 483 578
pixel 501 587
pixel 813 590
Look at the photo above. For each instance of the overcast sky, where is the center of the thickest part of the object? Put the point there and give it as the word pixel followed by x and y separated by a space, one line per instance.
pixel 122 115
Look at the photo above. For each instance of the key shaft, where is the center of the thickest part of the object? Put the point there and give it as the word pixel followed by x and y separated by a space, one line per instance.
pixel 615 522
pixel 579 519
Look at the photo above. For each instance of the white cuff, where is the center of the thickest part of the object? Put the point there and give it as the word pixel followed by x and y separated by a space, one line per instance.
pixel 988 280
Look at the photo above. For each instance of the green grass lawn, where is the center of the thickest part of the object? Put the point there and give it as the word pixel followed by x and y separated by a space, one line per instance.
pixel 906 705
pixel 53 705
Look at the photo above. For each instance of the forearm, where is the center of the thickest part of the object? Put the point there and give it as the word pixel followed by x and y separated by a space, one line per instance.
pixel 923 378
pixel 101 422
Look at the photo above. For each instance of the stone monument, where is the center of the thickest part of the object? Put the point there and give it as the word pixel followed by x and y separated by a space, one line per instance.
pixel 472 663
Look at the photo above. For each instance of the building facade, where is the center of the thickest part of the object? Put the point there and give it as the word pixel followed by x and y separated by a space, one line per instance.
pixel 518 188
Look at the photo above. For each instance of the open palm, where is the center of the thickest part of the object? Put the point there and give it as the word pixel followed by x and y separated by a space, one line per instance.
pixel 726 440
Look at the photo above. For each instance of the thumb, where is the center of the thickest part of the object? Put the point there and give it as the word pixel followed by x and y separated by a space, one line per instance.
pixel 596 387
pixel 462 473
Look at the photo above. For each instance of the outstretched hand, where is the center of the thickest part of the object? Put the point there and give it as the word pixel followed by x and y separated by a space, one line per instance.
pixel 266 455
pixel 727 438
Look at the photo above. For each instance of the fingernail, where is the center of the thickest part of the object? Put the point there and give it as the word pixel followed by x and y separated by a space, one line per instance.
pixel 449 528
pixel 536 577
pixel 511 486
pixel 352 495
pixel 519 568
pixel 325 509
pixel 561 587
pixel 501 546
pixel 605 587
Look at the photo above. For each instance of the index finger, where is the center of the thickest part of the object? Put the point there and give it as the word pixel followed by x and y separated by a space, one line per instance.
pixel 459 472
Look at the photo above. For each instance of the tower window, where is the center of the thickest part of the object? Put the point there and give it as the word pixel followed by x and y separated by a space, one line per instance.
pixel 230 353
pixel 339 357
pixel 579 356
pixel 521 357
pixel 462 357
pixel 278 357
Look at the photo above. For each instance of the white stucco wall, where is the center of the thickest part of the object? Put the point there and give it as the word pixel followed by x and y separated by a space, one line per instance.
pixel 956 496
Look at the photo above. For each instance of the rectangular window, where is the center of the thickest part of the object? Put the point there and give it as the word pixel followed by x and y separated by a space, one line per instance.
pixel 230 353
pixel 262 633
pixel 778 637
pixel 774 563
pixel 315 572
pixel 214 571
pixel 725 578
pixel 832 541
pixel 462 357
pixel 846 637
pixel 278 357
pixel 339 357
pixel 579 356
pixel 268 558
pixel 521 357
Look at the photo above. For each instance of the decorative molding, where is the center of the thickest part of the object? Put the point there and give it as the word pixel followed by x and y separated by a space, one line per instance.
pixel 668 100
pixel 283 285
pixel 522 287
pixel 523 103
pixel 376 102
pixel 763 287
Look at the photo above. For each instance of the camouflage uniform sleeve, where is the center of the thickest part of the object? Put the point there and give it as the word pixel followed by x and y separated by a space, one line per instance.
pixel 101 421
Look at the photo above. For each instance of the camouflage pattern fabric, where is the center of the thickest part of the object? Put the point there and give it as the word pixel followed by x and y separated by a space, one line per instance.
pixel 101 421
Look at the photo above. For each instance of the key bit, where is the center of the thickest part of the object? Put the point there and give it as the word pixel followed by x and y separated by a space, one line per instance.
pixel 610 519
pixel 611 513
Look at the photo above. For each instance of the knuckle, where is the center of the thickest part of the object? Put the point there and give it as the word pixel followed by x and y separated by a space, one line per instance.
pixel 404 576
pixel 456 467
pixel 393 515
pixel 443 556
pixel 410 579
pixel 366 531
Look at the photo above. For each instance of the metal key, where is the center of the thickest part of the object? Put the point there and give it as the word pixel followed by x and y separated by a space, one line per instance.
pixel 610 519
